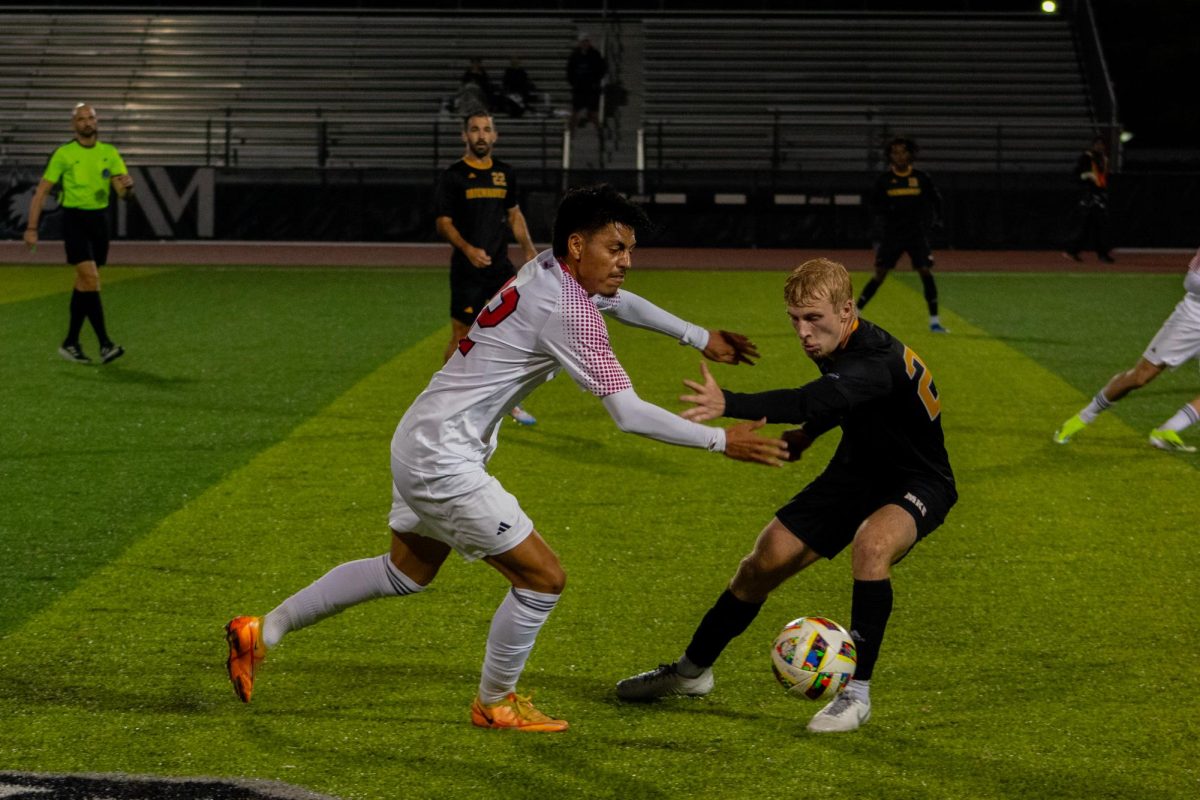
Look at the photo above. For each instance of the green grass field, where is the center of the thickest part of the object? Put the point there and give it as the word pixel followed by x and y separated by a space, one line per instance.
pixel 1044 642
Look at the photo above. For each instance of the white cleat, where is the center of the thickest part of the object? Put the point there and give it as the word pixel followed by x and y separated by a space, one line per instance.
pixel 664 681
pixel 843 714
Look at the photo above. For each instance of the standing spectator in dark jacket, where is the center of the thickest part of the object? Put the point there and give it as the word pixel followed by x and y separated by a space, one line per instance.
pixel 586 68
pixel 1091 175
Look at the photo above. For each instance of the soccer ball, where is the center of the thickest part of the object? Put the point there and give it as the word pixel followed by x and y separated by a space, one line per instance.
pixel 813 657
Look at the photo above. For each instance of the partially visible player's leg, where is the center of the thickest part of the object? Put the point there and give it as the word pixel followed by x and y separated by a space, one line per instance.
pixel 537 580
pixel 407 568
pixel 1166 436
pixel 458 331
pixel 778 554
pixel 1117 387
pixel 922 258
pixel 886 256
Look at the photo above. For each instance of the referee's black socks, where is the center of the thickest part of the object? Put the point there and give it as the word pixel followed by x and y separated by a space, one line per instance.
pixel 86 305
pixel 80 302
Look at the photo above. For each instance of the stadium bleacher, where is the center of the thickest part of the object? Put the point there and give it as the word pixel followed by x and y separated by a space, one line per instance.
pixel 168 86
pixel 811 92
pixel 821 92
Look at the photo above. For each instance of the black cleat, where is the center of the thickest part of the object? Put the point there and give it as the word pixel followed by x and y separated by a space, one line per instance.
pixel 73 352
pixel 111 352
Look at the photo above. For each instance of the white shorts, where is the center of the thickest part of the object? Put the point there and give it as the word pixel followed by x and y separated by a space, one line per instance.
pixel 1178 339
pixel 469 511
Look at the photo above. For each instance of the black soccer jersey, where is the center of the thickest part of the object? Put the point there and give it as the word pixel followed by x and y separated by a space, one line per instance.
pixel 883 397
pixel 908 203
pixel 477 201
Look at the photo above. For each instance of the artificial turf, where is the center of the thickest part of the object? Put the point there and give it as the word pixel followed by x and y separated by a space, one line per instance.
pixel 1043 642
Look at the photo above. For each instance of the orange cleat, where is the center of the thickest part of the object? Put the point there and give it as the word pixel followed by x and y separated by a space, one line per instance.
pixel 515 712
pixel 246 651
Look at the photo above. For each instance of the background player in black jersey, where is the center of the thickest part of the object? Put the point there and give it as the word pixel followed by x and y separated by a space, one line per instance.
pixel 888 485
pixel 476 204
pixel 906 205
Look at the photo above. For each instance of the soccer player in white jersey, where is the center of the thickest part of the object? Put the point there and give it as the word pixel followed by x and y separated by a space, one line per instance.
pixel 546 320
pixel 1176 341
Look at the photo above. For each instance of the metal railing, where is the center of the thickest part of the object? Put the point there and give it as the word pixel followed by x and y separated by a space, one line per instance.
pixel 784 140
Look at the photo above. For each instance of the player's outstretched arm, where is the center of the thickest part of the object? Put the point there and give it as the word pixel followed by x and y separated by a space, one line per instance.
pixel 743 444
pixel 707 398
pixel 724 347
pixel 727 347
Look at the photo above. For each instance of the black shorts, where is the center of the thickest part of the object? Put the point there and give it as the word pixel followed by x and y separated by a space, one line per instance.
pixel 470 291
pixel 827 513
pixel 587 99
pixel 85 235
pixel 890 250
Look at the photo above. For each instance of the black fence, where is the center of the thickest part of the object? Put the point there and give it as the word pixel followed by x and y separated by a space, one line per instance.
pixel 995 210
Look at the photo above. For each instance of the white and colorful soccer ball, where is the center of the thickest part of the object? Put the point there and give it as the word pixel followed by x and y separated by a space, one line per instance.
pixel 813 658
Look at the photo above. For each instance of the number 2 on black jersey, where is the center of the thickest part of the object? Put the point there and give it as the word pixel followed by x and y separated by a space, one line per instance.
pixel 925 388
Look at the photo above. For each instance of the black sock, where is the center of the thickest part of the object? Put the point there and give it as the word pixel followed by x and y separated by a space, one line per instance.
pixel 727 619
pixel 868 291
pixel 870 607
pixel 95 315
pixel 79 305
pixel 930 292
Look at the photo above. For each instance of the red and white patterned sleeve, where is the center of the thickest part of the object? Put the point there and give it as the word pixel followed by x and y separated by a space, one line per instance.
pixel 582 346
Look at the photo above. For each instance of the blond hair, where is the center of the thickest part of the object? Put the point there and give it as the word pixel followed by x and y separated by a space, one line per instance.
pixel 818 279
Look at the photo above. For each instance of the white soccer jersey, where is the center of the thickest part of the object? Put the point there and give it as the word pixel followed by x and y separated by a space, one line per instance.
pixel 541 322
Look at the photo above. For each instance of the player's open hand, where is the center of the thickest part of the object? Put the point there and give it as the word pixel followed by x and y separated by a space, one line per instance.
pixel 743 444
pixel 707 397
pixel 31 238
pixel 726 347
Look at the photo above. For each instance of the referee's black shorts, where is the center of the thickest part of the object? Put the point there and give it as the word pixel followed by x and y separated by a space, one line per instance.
pixel 827 513
pixel 85 235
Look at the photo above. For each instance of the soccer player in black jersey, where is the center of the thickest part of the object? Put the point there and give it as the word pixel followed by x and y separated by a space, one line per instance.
pixel 888 485
pixel 906 205
pixel 476 204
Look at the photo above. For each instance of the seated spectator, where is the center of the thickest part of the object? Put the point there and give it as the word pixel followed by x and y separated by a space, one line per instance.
pixel 475 92
pixel 516 89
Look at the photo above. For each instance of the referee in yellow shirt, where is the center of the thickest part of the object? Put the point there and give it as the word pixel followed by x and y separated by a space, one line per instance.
pixel 89 170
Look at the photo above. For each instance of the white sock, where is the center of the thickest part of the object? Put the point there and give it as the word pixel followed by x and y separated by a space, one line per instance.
pixel 860 690
pixel 343 586
pixel 514 628
pixel 934 319
pixel 687 669
pixel 1092 410
pixel 1183 418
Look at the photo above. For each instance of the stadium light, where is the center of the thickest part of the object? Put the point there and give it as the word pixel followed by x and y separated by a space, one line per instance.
pixel 1126 136
pixel 1049 7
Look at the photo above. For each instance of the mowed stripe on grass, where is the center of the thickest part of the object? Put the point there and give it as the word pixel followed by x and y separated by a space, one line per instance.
pixel 1003 672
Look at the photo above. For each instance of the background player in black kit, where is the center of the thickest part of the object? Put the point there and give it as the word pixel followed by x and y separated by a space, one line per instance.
pixel 906 205
pixel 476 204
pixel 888 485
